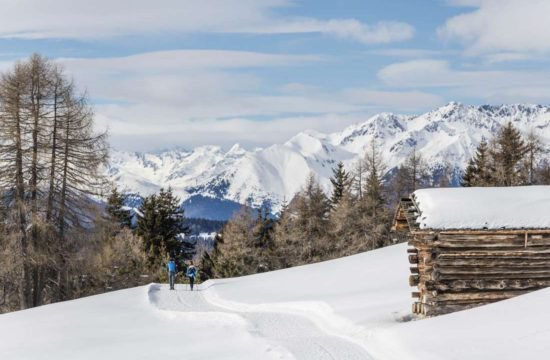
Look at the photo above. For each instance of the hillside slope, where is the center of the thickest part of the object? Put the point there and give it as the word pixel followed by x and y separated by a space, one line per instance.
pixel 350 308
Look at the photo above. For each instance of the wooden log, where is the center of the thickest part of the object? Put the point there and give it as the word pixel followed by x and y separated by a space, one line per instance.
pixel 492 262
pixel 486 270
pixel 484 284
pixel 412 251
pixel 507 276
pixel 414 280
pixel 496 232
pixel 484 237
pixel 435 310
pixel 478 296
pixel 489 254
pixel 415 294
pixel 413 259
pixel 414 270
pixel 475 244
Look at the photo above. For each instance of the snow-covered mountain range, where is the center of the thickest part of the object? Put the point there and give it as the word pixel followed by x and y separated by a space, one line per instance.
pixel 446 136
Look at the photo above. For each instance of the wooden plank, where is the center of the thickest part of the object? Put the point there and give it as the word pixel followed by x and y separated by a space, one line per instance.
pixel 436 276
pixel 487 284
pixel 497 232
pixel 477 296
pixel 491 253
pixel 512 263
pixel 479 270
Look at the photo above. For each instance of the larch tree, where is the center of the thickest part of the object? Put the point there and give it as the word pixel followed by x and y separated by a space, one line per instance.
pixel 51 162
pixel 374 185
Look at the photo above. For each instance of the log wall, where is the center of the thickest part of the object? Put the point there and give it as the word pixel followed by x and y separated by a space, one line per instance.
pixel 456 270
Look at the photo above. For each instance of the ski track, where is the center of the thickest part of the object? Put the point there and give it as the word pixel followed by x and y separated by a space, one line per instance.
pixel 297 334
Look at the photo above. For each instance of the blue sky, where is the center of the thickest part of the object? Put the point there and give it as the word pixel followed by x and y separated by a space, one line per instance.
pixel 188 73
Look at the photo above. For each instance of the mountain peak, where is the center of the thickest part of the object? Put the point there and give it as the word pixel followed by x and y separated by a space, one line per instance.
pixel 446 135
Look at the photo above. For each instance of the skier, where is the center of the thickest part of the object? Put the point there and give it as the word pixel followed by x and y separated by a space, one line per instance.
pixel 191 273
pixel 172 268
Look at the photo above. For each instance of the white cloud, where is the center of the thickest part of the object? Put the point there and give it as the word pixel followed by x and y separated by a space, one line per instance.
pixel 501 26
pixel 406 52
pixel 193 84
pixel 249 133
pixel 488 85
pixel 506 57
pixel 188 59
pixel 105 18
pixel 399 100
pixel 379 33
pixel 465 3
pixel 197 97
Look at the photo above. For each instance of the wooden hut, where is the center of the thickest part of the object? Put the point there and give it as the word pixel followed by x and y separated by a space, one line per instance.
pixel 474 246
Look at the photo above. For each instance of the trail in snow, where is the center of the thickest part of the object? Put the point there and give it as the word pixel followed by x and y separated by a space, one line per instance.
pixel 295 333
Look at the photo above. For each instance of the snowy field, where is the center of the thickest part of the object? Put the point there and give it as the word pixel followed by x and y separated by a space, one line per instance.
pixel 352 308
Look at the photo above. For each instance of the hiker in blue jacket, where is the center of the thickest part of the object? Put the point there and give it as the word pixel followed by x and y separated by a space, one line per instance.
pixel 172 268
pixel 191 273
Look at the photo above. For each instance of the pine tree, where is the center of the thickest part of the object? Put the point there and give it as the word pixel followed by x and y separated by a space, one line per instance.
pixel 162 226
pixel 116 208
pixel 340 181
pixel 263 230
pixel 508 155
pixel 470 174
pixel 480 169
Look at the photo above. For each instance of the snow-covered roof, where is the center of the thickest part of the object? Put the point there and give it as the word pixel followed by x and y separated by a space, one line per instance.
pixel 518 207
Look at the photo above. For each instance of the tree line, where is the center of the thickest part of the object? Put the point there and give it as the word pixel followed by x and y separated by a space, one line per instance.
pixel 508 159
pixel 313 227
pixel 358 215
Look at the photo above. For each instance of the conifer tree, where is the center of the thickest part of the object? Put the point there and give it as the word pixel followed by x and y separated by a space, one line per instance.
pixel 480 169
pixel 416 171
pixel 284 238
pixel 263 229
pixel 162 225
pixel 116 208
pixel 508 154
pixel 340 181
pixel 311 219
pixel 534 148
pixel 237 254
pixel 374 185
